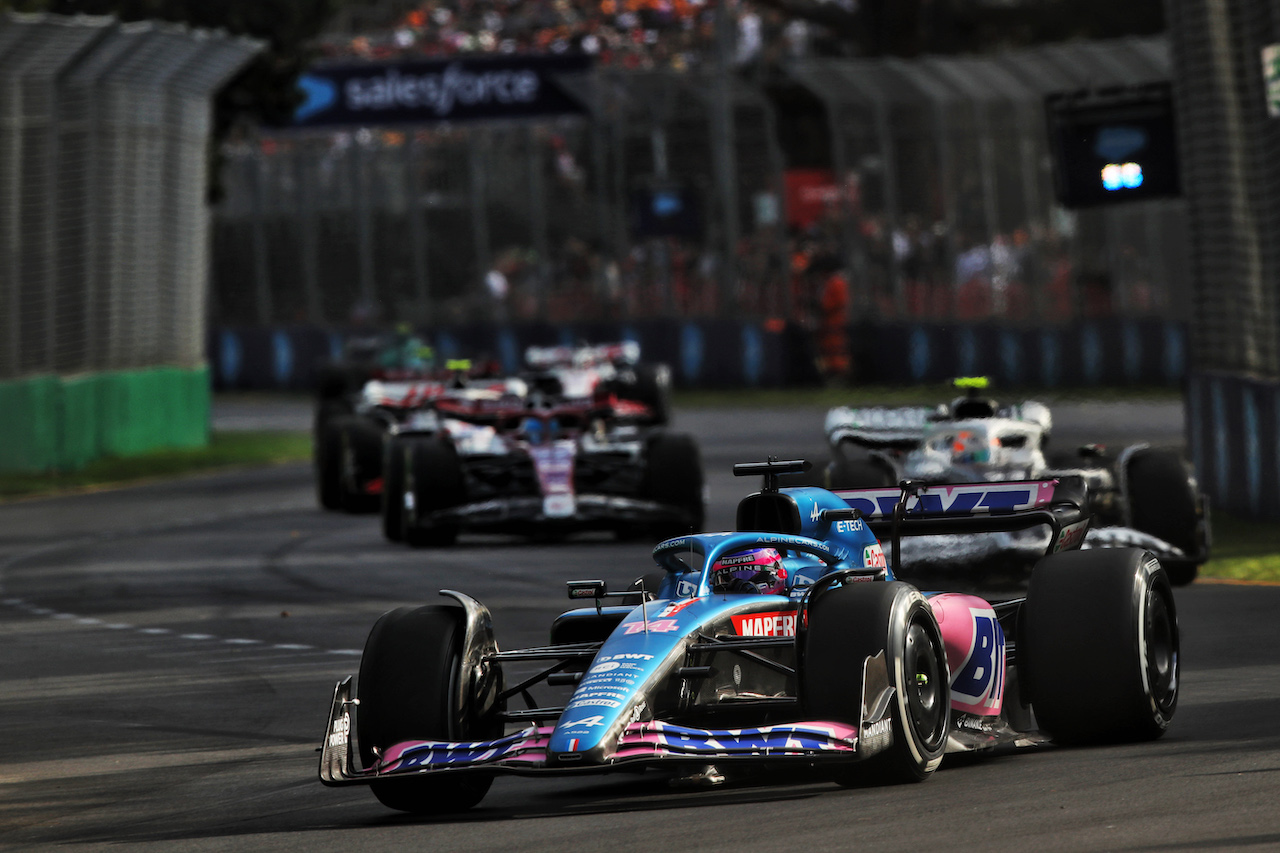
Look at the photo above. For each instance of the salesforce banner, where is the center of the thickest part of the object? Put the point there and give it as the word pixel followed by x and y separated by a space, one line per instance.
pixel 456 89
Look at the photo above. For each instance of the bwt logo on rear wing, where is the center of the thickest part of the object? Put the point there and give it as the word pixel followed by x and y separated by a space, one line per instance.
pixel 965 500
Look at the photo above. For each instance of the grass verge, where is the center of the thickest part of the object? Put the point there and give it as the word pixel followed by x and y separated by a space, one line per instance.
pixel 225 450
pixel 1243 550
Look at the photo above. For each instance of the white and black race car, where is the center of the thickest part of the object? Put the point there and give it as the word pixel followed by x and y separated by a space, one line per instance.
pixel 1143 496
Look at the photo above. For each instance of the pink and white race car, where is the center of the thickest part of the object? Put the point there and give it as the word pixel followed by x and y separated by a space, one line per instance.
pixel 537 465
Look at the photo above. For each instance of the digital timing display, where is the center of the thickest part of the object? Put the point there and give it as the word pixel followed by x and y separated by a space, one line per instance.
pixel 1113 146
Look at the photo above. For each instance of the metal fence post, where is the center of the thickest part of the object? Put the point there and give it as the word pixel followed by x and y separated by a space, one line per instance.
pixel 477 155
pixel 261 271
pixel 538 215
pixel 724 158
pixel 308 241
pixel 418 236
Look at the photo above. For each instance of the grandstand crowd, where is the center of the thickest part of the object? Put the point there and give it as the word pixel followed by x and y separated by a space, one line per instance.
pixel 632 34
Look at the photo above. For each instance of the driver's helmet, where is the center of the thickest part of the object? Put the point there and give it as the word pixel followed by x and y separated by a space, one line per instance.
pixel 757 570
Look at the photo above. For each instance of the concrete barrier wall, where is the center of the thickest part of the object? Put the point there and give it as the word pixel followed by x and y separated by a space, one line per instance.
pixel 732 354
pixel 63 423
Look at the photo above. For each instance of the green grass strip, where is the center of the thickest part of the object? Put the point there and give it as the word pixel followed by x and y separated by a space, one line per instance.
pixel 1243 550
pixel 226 450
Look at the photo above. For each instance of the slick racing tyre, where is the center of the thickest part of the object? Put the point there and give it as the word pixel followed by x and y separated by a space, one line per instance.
pixel 650 389
pixel 328 465
pixel 435 481
pixel 847 625
pixel 327 410
pixel 395 463
pixel 850 470
pixel 1163 502
pixel 673 477
pixel 361 462
pixel 1098 653
pixel 408 690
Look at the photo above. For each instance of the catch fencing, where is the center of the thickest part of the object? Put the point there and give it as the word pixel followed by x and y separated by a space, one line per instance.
pixel 925 185
pixel 1227 90
pixel 104 235
pixel 104 134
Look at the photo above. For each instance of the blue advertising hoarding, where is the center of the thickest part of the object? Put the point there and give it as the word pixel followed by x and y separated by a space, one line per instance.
pixel 457 89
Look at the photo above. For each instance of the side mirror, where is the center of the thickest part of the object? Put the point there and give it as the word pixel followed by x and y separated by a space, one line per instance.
pixel 579 590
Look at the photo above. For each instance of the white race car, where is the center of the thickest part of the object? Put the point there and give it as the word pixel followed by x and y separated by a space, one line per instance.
pixel 1143 496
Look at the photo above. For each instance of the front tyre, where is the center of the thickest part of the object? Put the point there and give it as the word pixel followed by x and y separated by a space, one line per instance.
pixel 847 625
pixel 1164 502
pixel 849 469
pixel 408 690
pixel 673 477
pixel 1099 646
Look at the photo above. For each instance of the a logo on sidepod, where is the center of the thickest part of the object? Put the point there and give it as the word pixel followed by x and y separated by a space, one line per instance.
pixel 772 624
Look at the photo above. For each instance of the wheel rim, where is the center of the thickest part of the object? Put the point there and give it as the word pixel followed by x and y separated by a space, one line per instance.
pixel 925 690
pixel 1161 650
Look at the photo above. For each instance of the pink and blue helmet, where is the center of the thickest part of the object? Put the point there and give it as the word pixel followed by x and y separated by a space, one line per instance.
pixel 756 570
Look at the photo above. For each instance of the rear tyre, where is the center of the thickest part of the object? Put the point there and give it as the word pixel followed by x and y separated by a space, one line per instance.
pixel 328 463
pixel 650 389
pixel 327 410
pixel 436 482
pixel 1099 646
pixel 361 462
pixel 408 690
pixel 1163 501
pixel 673 477
pixel 395 462
pixel 847 625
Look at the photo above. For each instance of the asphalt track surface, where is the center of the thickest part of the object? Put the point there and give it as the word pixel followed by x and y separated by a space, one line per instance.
pixel 169 652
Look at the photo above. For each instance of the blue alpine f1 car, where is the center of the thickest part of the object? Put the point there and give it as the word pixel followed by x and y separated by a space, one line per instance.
pixel 787 642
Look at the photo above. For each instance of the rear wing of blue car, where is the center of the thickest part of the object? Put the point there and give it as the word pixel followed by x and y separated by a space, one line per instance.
pixel 917 508
pixel 921 509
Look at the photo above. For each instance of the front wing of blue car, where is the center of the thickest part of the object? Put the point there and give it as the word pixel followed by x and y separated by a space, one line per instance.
pixel 641 742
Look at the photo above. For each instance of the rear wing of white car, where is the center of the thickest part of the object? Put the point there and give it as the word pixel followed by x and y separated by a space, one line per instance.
pixel 879 427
